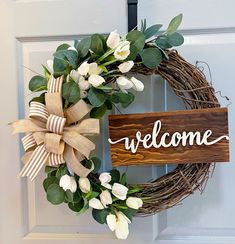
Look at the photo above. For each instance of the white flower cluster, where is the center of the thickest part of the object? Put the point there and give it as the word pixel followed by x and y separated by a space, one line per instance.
pixel 89 74
pixel 117 221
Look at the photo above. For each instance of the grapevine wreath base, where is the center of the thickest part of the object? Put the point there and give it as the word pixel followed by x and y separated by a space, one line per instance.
pixel 79 85
pixel 190 84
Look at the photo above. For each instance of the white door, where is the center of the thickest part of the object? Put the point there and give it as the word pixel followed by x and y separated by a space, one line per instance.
pixel 30 30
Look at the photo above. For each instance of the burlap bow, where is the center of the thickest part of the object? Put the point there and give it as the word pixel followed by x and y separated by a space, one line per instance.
pixel 55 137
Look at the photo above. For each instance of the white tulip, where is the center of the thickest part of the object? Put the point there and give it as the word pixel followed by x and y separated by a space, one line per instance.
pixel 113 39
pixel 121 230
pixel 122 217
pixel 122 51
pixel 105 178
pixel 134 202
pixel 94 69
pixel 84 184
pixel 50 64
pixel 124 83
pixel 126 66
pixel 68 183
pixel 111 221
pixel 83 84
pixel 74 75
pixel 96 80
pixel 106 198
pixel 83 68
pixel 119 191
pixel 95 203
pixel 137 84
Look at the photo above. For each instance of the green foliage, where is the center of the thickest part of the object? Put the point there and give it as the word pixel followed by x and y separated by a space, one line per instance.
pixel 143 25
pixel 96 97
pixel 151 57
pixel 60 67
pixel 97 164
pixel 50 169
pixel 40 99
pixel 37 83
pixel 71 92
pixel 174 24
pixel 137 42
pixel 55 194
pixel 125 99
pixel 49 181
pixel 83 46
pixel 76 206
pixel 129 212
pixel 123 179
pixel 98 45
pixel 152 31
pixel 98 112
pixel 100 215
pixel 175 39
pixel 63 46
pixel 69 56
pixel 115 175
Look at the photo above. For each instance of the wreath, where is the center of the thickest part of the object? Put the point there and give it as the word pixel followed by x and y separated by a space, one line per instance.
pixel 79 85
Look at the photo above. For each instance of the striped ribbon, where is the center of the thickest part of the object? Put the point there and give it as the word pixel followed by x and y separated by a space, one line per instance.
pixel 28 142
pixel 37 160
pixel 56 124
pixel 56 159
pixel 38 111
pixel 55 85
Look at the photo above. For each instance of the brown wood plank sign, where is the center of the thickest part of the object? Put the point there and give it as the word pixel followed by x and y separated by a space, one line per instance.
pixel 188 136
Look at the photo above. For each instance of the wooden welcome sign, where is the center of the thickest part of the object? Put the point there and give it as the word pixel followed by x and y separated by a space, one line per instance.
pixel 188 136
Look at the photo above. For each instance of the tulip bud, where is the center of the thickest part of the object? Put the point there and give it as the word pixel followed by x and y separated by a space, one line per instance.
pixel 68 183
pixel 95 203
pixel 106 198
pixel 137 84
pixel 83 84
pixel 105 178
pixel 124 84
pixel 111 221
pixel 94 69
pixel 113 39
pixel 96 80
pixel 119 191
pixel 84 184
pixel 122 51
pixel 134 202
pixel 121 230
pixel 83 69
pixel 74 75
pixel 126 66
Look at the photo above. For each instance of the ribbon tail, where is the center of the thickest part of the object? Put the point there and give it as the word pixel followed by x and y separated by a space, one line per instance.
pixel 78 142
pixel 25 125
pixel 74 163
pixel 36 161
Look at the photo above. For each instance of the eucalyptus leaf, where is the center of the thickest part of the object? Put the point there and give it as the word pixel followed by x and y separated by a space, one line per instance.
pixel 97 164
pixel 152 31
pixel 37 83
pixel 97 44
pixel 70 56
pixel 100 215
pixel 40 99
pixel 55 194
pixel 71 92
pixel 63 46
pixel 60 67
pixel 137 42
pixel 124 98
pixel 98 112
pixel 96 97
pixel 49 181
pixel 76 207
pixel 162 42
pixel 83 46
pixel 175 39
pixel 129 212
pixel 115 176
pixel 174 24
pixel 151 57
